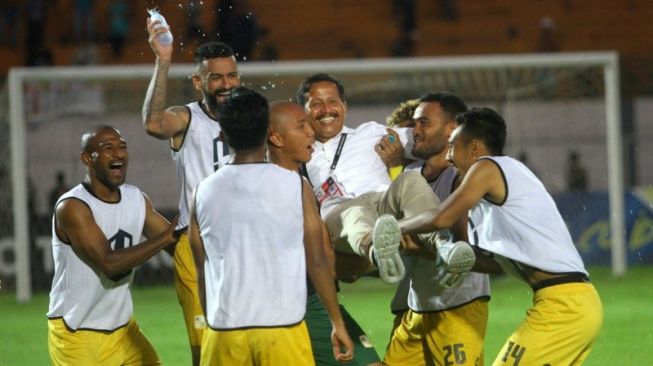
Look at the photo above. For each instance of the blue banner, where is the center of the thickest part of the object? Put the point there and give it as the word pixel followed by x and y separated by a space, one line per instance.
pixel 587 216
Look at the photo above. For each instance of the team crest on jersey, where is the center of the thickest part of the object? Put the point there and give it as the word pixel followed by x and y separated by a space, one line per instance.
pixel 121 240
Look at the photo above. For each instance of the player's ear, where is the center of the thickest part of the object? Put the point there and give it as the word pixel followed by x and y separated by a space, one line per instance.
pixel 475 148
pixel 450 127
pixel 275 138
pixel 86 158
pixel 197 81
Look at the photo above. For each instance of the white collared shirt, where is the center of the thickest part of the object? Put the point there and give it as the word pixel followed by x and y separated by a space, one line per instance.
pixel 360 169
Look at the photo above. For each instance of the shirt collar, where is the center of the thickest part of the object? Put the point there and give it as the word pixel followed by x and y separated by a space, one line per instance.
pixel 336 138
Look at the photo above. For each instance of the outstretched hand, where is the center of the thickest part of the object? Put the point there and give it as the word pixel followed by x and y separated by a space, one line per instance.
pixel 340 339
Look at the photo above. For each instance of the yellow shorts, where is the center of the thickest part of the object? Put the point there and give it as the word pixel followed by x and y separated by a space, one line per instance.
pixel 559 329
pixel 187 291
pixel 124 346
pixel 257 346
pixel 449 337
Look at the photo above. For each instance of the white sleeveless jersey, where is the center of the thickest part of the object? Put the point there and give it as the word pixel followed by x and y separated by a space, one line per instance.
pixel 251 222
pixel 527 226
pixel 425 294
pixel 84 297
pixel 200 154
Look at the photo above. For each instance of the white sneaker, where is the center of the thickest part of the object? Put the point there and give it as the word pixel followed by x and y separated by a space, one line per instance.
pixel 455 257
pixel 386 239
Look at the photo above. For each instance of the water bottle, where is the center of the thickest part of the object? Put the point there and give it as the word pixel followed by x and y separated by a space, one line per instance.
pixel 166 38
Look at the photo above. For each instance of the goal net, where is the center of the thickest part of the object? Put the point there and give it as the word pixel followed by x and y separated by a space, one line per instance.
pixel 552 104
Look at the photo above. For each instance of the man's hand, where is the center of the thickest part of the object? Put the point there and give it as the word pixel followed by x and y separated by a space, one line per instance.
pixel 169 234
pixel 390 149
pixel 164 53
pixel 340 339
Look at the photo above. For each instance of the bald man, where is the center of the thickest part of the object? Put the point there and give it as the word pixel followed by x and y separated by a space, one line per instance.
pixel 290 144
pixel 96 243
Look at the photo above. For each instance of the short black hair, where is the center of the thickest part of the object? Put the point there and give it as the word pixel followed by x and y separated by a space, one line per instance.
pixel 88 137
pixel 486 125
pixel 306 84
pixel 244 119
pixel 210 50
pixel 450 103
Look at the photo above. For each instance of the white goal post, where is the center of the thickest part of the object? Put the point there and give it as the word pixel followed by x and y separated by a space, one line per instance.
pixel 397 75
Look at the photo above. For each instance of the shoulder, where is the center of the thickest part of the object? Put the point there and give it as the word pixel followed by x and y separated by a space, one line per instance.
pixel 183 111
pixel 132 190
pixel 484 165
pixel 72 209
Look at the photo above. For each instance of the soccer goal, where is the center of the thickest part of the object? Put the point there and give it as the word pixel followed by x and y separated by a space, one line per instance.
pixel 552 103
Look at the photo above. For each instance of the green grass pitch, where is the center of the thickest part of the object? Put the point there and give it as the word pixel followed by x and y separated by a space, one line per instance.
pixel 626 337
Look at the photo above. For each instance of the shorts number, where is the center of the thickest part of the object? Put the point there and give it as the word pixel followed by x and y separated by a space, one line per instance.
pixel 457 352
pixel 514 351
pixel 216 152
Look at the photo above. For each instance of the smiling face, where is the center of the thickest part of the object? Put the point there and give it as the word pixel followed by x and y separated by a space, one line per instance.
pixel 326 110
pixel 461 153
pixel 432 130
pixel 215 79
pixel 107 158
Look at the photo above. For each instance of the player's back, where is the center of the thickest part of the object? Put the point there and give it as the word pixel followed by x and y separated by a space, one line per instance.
pixel 250 218
pixel 527 226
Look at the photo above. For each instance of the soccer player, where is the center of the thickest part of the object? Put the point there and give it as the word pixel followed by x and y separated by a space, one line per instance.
pixel 513 217
pixel 255 231
pixel 353 186
pixel 96 244
pixel 197 150
pixel 290 144
pixel 443 326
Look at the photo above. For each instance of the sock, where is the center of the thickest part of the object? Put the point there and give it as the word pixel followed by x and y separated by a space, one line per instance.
pixel 372 256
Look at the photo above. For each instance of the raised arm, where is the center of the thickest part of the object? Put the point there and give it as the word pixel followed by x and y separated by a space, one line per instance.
pixel 76 225
pixel 158 121
pixel 321 276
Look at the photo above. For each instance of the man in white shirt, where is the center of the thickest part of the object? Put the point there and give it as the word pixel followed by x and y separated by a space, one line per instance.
pixel 354 188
